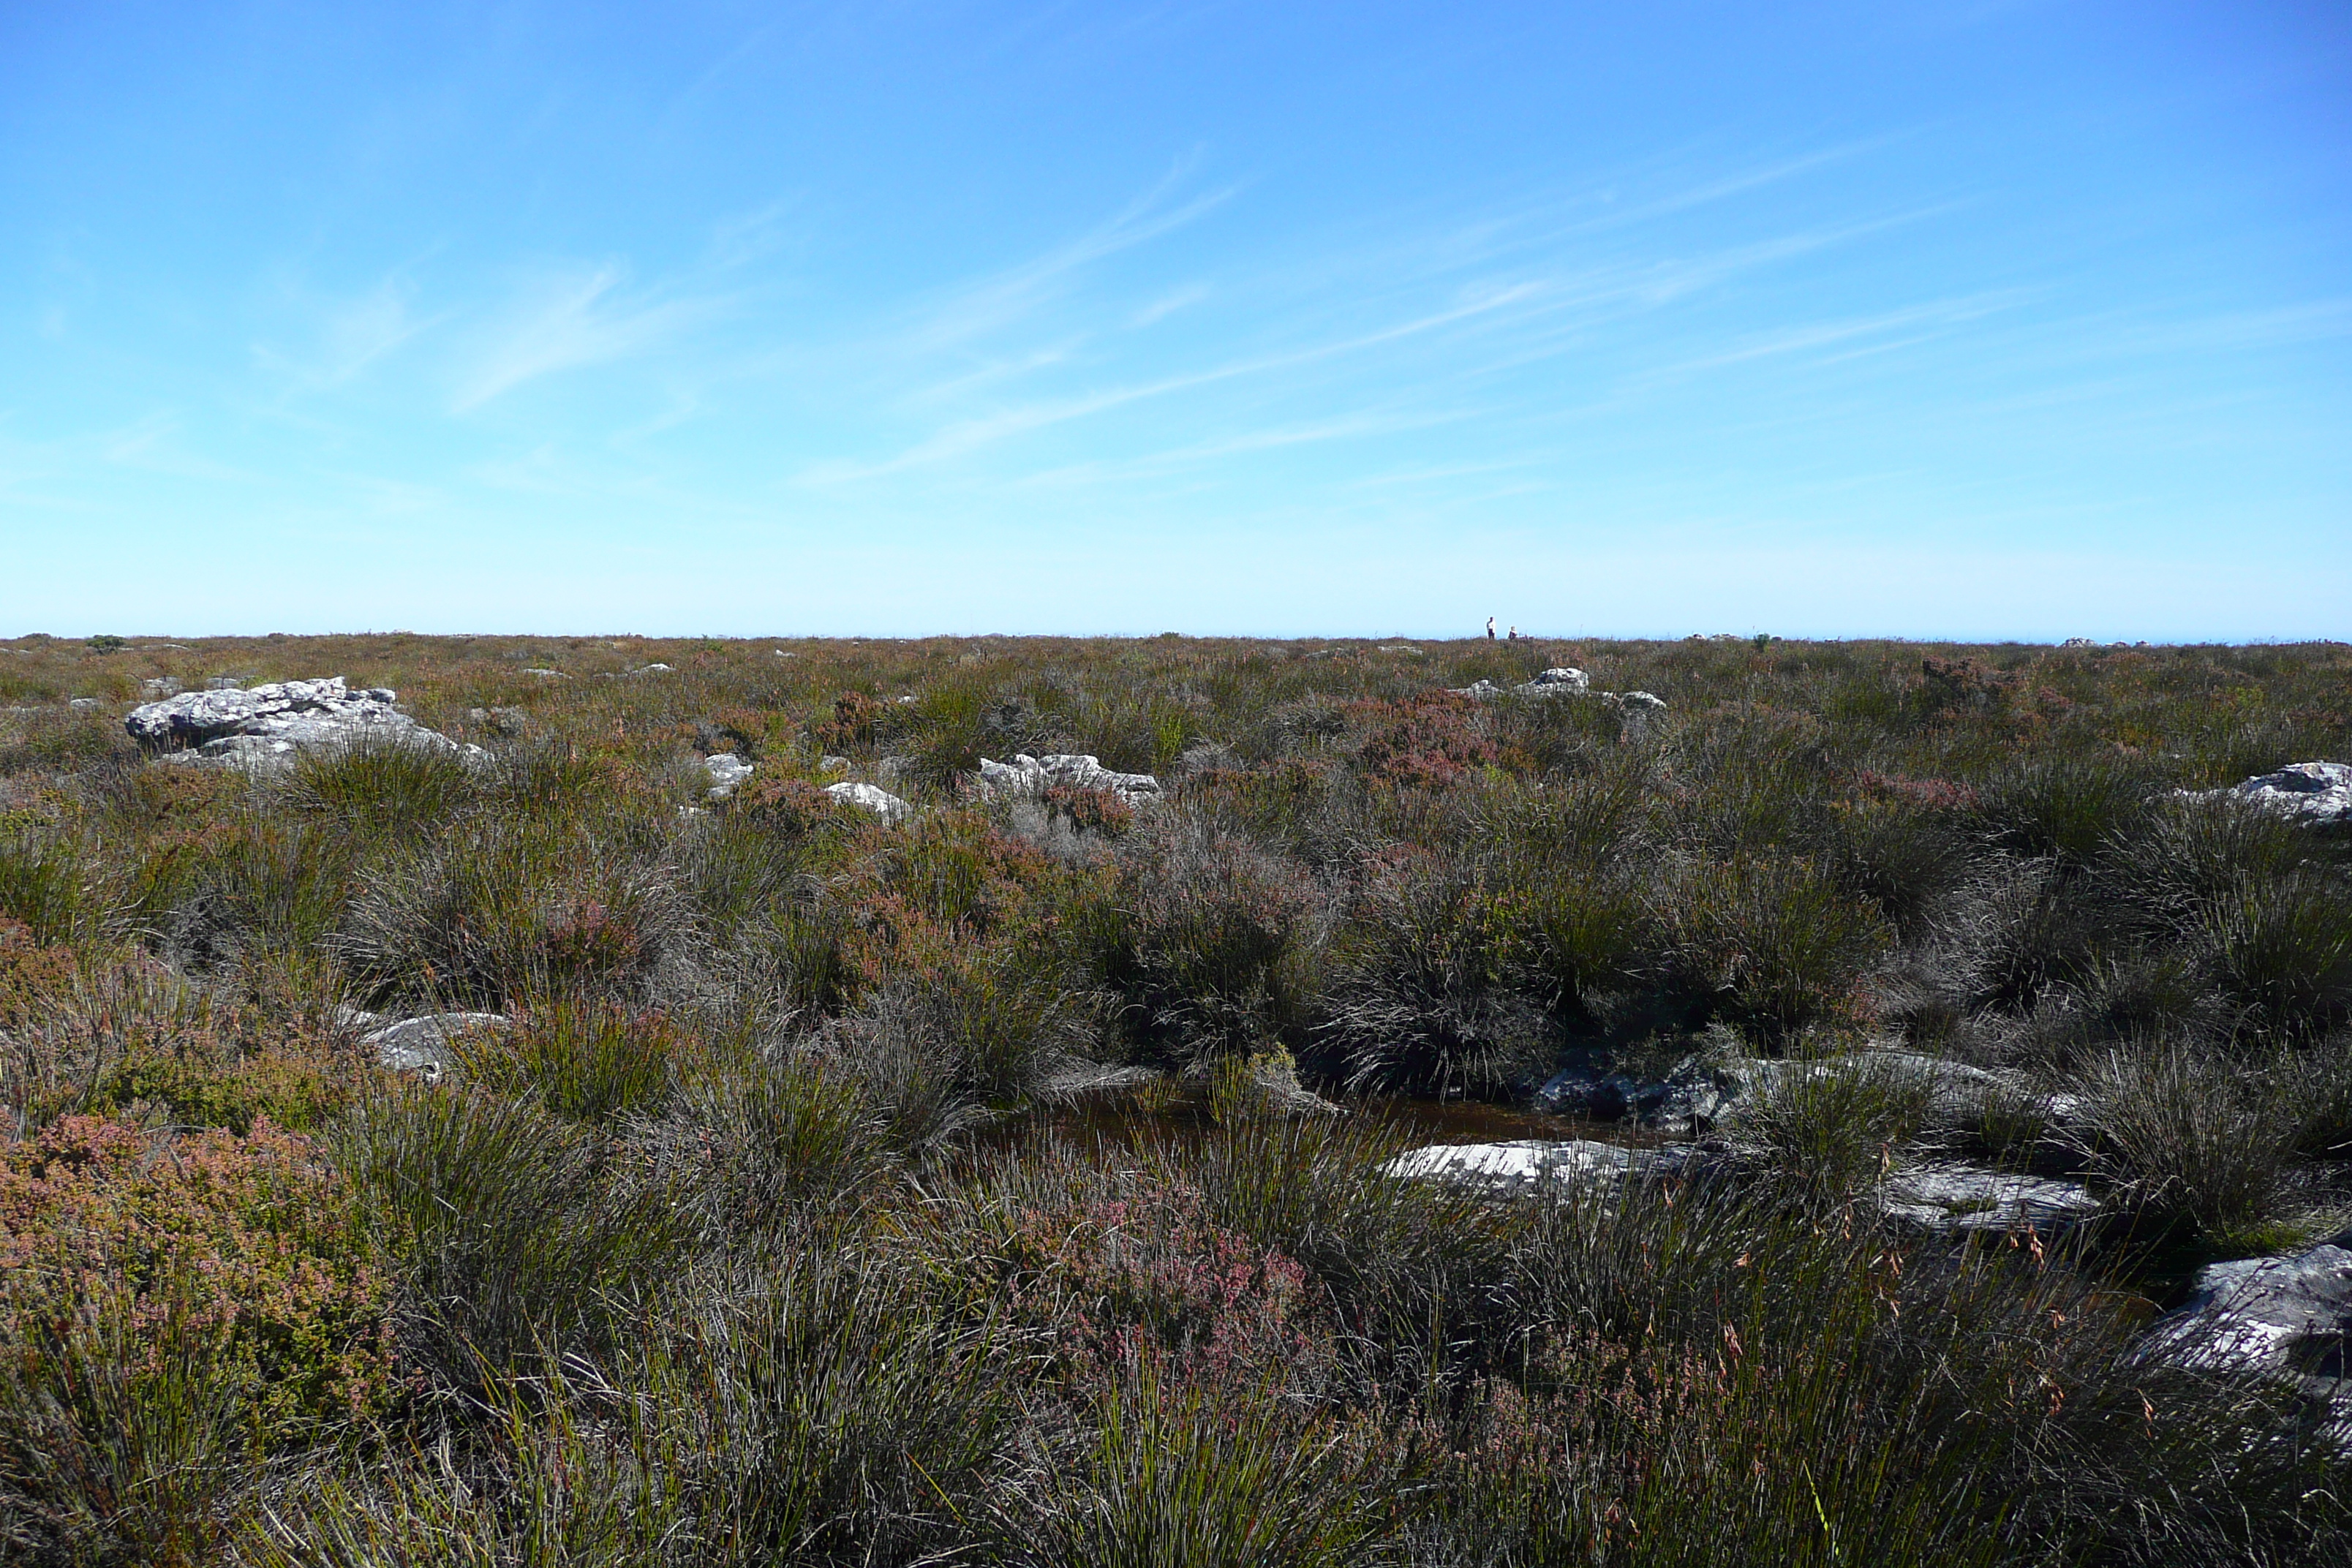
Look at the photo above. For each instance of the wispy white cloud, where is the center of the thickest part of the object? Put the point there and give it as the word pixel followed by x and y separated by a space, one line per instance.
pixel 1168 304
pixel 567 319
pixel 154 445
pixel 1002 299
pixel 1350 427
pixel 348 336
pixel 1887 328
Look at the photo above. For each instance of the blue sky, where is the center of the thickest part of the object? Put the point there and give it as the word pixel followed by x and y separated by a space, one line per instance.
pixel 1936 320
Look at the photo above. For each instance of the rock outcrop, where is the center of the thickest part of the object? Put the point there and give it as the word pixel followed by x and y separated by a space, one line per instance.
pixel 2317 794
pixel 1028 775
pixel 265 726
pixel 1565 682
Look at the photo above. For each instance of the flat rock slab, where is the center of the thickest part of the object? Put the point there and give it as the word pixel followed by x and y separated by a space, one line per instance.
pixel 1532 1165
pixel 2290 1313
pixel 1970 1197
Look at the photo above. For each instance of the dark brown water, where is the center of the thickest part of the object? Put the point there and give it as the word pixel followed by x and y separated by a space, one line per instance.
pixel 1164 1111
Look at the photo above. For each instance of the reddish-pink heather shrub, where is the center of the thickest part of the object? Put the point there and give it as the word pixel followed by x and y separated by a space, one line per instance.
pixel 1424 743
pixel 1931 794
pixel 248 1240
pixel 29 971
pixel 1091 810
pixel 1141 1274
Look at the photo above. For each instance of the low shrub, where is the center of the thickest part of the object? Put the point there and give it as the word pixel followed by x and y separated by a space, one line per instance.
pixel 1427 993
pixel 1213 946
pixel 173 1311
pixel 499 910
pixel 1774 943
pixel 527 1232
pixel 1424 743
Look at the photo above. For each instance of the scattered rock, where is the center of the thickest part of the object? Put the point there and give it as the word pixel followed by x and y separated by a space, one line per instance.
pixel 1699 1093
pixel 651 669
pixel 223 683
pixel 160 686
pixel 265 726
pixel 1404 647
pixel 2078 642
pixel 1555 682
pixel 546 674
pixel 829 764
pixel 873 798
pixel 726 770
pixel 1028 775
pixel 425 1046
pixel 2314 793
pixel 84 704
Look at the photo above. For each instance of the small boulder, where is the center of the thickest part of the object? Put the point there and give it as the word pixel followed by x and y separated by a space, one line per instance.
pixel 726 770
pixel 1555 682
pixel 873 798
pixel 425 1046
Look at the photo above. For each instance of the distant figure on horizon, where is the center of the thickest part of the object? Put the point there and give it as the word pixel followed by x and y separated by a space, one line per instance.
pixel 1490 628
pixel 1515 635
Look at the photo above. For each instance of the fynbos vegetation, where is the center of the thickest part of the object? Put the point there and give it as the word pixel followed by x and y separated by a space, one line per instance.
pixel 1013 1180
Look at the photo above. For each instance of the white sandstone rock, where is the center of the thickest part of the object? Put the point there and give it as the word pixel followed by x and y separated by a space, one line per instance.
pixel 423 1045
pixel 2257 1313
pixel 2316 794
pixel 265 726
pixel 1028 775
pixel 726 770
pixel 873 798
pixel 1970 1197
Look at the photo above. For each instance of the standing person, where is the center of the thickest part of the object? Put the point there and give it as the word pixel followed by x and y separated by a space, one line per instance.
pixel 1490 628
pixel 1515 633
